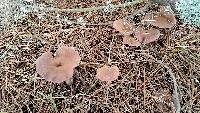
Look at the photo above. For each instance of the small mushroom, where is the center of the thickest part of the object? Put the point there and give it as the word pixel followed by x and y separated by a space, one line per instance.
pixel 131 41
pixel 164 19
pixel 59 68
pixel 107 73
pixel 124 26
pixel 147 36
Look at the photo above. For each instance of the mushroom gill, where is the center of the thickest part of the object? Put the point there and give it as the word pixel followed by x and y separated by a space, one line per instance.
pixel 131 41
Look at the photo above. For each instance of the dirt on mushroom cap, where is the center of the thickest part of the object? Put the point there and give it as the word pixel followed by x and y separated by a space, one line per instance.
pixel 165 19
pixel 124 26
pixel 147 36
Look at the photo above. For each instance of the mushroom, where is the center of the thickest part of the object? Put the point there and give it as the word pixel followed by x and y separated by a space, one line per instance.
pixel 124 26
pixel 131 41
pixel 164 19
pixel 147 36
pixel 59 68
pixel 107 73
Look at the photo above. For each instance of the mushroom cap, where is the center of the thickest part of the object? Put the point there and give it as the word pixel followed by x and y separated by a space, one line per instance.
pixel 124 26
pixel 165 19
pixel 147 36
pixel 59 68
pixel 131 41
pixel 69 54
pixel 107 73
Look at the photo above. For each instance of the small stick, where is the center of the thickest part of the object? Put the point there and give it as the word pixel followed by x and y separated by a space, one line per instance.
pixel 93 8
pixel 175 94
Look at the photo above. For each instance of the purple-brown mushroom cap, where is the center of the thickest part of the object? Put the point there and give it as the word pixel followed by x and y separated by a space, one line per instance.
pixel 107 73
pixel 131 41
pixel 147 36
pixel 59 68
pixel 69 54
pixel 165 19
pixel 124 26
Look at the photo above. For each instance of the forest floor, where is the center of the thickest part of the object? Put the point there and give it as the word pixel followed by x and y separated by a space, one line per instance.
pixel 160 77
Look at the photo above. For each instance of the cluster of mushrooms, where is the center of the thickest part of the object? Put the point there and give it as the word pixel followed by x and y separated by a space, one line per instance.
pixel 60 66
pixel 135 36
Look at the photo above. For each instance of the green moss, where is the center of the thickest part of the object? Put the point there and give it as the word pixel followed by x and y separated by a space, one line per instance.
pixel 189 11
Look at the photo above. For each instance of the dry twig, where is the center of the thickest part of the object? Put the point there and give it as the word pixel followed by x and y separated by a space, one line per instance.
pixel 175 94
